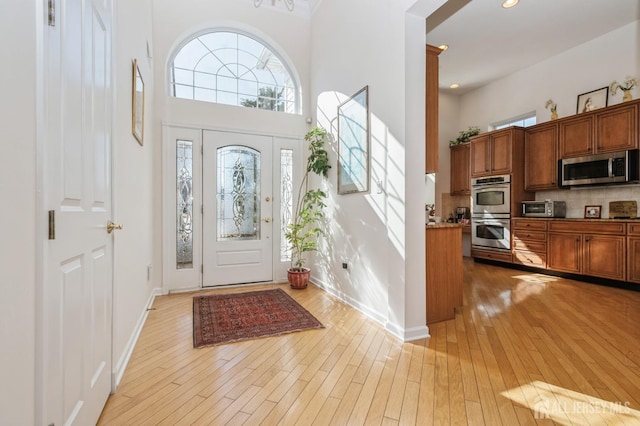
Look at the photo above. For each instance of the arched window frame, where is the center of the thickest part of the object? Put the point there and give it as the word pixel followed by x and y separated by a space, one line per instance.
pixel 276 53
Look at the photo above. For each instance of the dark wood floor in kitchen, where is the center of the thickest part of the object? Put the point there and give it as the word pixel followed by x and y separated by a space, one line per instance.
pixel 524 349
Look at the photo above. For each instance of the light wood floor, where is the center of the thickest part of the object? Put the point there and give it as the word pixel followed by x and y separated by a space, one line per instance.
pixel 525 349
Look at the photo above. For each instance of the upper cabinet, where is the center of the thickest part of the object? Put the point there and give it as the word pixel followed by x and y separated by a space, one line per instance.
pixel 431 106
pixel 460 181
pixel 541 157
pixel 606 130
pixel 491 153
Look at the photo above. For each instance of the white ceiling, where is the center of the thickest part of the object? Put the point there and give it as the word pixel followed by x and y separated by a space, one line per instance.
pixel 487 42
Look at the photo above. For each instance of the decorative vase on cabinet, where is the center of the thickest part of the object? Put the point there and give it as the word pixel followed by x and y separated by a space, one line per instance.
pixel 626 96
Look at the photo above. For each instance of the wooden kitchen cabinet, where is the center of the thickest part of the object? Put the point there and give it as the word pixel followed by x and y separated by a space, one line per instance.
pixel 444 284
pixel 604 256
pixel 479 156
pixel 617 128
pixel 590 248
pixel 633 253
pixel 606 130
pixel 491 153
pixel 576 136
pixel 541 157
pixel 564 252
pixel 431 107
pixel 529 242
pixel 460 179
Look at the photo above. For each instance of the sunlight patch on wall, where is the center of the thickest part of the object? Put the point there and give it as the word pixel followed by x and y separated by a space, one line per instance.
pixel 387 162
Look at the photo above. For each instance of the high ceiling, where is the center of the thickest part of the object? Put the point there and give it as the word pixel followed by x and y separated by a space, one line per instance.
pixel 487 42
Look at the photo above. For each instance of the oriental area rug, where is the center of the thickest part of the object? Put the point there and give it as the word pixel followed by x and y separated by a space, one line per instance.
pixel 226 318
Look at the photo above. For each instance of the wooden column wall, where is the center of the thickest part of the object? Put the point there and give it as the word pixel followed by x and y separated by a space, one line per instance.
pixel 431 119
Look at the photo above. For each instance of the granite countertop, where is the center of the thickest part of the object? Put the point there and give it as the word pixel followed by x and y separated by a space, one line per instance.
pixel 579 219
pixel 434 225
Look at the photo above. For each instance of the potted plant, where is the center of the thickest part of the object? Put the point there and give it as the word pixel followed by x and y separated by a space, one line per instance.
pixel 465 135
pixel 303 231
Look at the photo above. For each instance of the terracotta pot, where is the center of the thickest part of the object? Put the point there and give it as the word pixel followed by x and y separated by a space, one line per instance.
pixel 298 277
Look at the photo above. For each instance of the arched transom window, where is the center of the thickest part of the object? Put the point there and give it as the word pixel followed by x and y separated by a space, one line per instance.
pixel 231 68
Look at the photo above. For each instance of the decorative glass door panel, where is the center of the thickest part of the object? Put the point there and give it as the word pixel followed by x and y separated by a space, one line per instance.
pixel 238 198
pixel 237 208
pixel 184 204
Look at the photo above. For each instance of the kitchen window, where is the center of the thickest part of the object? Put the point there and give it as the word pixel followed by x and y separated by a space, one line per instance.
pixel 526 121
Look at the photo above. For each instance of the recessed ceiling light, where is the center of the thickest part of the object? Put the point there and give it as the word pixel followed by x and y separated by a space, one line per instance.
pixel 509 3
pixel 454 86
pixel 443 47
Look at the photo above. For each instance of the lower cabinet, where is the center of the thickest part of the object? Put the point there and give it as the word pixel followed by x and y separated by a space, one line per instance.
pixel 604 256
pixel 529 242
pixel 564 253
pixel 596 249
pixel 603 249
pixel 489 254
pixel 444 271
pixel 633 253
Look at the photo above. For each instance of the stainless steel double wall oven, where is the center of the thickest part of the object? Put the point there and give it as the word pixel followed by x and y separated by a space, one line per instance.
pixel 491 212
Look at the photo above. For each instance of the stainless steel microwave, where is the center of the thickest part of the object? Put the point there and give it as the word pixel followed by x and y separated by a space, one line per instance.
pixel 546 208
pixel 601 169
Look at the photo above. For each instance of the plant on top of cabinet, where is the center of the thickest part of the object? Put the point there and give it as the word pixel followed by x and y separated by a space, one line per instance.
pixel 465 135
pixel 554 109
pixel 627 85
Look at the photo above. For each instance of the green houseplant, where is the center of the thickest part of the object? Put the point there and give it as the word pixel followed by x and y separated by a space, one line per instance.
pixel 303 231
pixel 465 135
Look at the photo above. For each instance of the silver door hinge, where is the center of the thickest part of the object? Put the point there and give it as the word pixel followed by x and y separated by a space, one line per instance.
pixel 202 269
pixel 52 224
pixel 51 12
pixel 202 209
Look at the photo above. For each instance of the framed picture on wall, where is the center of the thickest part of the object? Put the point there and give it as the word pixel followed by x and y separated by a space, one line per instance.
pixel 592 212
pixel 353 143
pixel 593 100
pixel 137 104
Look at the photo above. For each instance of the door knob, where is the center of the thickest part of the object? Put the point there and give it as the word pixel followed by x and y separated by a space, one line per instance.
pixel 267 199
pixel 111 226
pixel 267 219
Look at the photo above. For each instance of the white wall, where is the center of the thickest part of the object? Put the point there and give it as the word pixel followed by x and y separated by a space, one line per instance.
pixel 134 168
pixel 379 233
pixel 17 189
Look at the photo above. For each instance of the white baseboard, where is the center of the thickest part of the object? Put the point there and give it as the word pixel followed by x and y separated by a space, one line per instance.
pixel 118 371
pixel 355 304
pixel 416 333
pixel 406 335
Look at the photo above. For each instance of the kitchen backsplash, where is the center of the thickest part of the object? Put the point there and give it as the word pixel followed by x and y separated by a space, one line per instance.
pixel 578 198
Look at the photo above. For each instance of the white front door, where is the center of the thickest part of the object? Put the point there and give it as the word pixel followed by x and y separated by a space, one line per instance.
pixel 75 326
pixel 237 208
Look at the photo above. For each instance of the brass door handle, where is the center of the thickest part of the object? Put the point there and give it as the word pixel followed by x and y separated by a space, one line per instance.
pixel 111 226
pixel 267 219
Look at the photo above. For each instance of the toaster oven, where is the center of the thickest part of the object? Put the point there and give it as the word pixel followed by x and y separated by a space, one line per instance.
pixel 546 208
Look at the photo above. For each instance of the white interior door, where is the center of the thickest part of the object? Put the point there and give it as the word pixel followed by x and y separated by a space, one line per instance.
pixel 75 353
pixel 237 208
